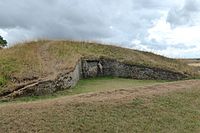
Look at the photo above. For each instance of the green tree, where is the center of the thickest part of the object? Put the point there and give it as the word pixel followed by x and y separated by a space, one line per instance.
pixel 3 43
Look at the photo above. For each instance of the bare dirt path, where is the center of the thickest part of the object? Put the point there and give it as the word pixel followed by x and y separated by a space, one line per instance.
pixel 109 97
pixel 48 62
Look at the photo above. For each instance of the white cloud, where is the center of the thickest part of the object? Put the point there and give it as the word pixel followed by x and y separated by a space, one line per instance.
pixel 17 34
pixel 162 32
pixel 181 41
pixel 3 33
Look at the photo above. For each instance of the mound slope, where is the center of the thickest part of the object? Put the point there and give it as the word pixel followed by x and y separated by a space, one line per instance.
pixel 55 63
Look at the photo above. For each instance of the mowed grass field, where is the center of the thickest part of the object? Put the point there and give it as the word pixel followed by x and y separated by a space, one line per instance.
pixel 144 106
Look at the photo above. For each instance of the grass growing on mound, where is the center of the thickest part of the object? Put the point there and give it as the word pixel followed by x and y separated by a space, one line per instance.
pixel 42 59
pixel 2 81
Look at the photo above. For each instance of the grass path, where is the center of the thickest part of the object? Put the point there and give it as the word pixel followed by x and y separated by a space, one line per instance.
pixel 168 107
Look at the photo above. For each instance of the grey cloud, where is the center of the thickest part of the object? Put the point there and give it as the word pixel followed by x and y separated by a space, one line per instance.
pixel 183 46
pixel 184 16
pixel 111 21
pixel 69 19
pixel 191 5
pixel 77 19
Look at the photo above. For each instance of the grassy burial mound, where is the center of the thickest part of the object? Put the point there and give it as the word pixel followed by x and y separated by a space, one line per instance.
pixel 41 67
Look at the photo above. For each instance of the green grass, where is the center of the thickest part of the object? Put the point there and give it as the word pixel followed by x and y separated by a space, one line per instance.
pixel 94 85
pixel 175 112
pixel 2 81
pixel 108 83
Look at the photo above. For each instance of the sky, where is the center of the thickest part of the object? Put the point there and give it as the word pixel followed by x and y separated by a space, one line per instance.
pixel 166 27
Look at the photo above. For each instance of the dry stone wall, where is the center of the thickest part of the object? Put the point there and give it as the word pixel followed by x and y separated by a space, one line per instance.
pixel 87 68
pixel 109 67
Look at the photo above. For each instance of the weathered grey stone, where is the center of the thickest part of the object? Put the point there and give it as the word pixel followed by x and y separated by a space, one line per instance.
pixel 93 68
pixel 68 80
pixel 109 67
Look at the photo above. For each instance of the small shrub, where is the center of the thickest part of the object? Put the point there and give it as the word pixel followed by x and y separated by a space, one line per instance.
pixel 3 43
pixel 2 81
